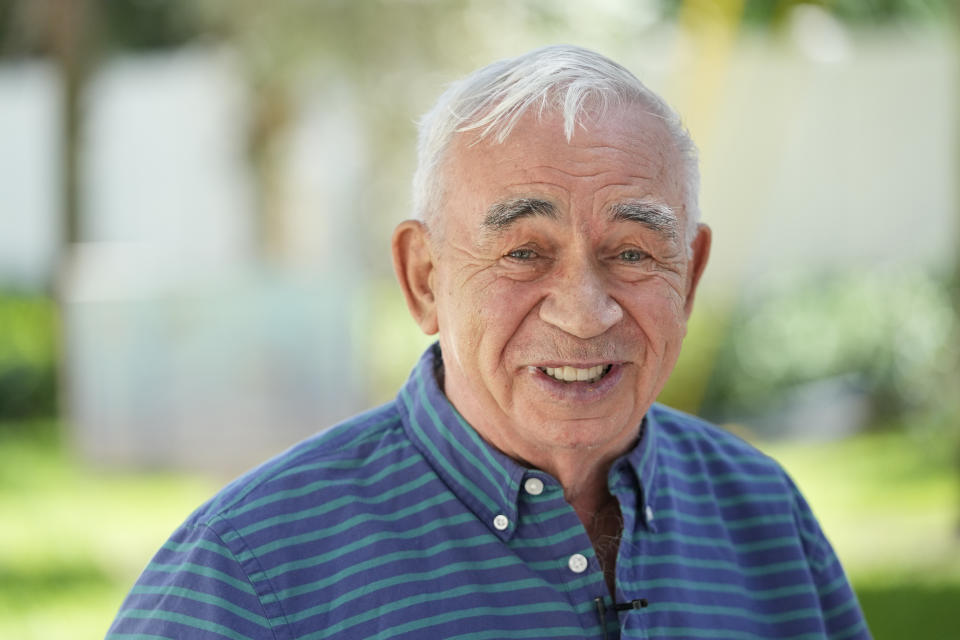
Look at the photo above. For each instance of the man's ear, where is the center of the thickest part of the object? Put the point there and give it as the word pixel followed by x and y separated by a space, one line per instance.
pixel 700 249
pixel 413 264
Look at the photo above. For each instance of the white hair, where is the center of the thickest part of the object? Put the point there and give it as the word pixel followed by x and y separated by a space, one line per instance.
pixel 557 79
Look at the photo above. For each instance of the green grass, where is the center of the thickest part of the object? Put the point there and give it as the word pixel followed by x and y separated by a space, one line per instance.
pixel 73 539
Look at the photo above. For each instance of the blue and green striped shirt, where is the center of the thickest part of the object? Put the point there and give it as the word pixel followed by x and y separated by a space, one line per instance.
pixel 403 523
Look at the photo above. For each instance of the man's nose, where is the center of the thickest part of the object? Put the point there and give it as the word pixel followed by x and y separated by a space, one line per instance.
pixel 580 304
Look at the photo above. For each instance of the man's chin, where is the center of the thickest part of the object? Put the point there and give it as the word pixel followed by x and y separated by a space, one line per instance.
pixel 568 431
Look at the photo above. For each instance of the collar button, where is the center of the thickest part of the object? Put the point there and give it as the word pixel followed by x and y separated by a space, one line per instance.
pixel 533 486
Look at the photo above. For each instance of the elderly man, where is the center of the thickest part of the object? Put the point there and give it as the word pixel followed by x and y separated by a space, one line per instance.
pixel 523 484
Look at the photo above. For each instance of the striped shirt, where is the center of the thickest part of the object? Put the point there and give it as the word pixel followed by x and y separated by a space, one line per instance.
pixel 403 523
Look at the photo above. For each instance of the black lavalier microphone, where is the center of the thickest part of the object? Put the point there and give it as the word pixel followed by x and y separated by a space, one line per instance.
pixel 639 603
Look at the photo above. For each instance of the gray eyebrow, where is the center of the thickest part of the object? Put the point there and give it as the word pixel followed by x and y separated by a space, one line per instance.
pixel 502 214
pixel 653 215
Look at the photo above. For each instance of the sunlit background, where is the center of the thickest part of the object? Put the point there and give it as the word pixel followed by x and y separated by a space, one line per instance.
pixel 196 199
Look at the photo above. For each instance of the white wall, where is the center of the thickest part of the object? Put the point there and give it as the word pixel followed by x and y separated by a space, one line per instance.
pixel 30 145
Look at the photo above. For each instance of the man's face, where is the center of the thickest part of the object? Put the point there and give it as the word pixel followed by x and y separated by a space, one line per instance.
pixel 562 260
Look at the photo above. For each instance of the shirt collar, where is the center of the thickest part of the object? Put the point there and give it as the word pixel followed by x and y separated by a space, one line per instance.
pixel 633 477
pixel 484 479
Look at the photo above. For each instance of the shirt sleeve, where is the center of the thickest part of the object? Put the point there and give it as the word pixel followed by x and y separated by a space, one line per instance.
pixel 842 617
pixel 198 587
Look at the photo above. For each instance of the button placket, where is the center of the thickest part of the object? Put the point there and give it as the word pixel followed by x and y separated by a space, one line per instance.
pixel 567 560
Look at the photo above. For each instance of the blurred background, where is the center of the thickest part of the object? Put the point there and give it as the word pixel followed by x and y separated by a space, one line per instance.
pixel 196 199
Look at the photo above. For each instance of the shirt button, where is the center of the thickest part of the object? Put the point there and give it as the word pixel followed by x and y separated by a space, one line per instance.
pixel 501 522
pixel 577 563
pixel 533 486
pixel 649 513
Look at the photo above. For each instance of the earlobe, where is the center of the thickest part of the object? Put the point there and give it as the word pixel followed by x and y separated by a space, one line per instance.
pixel 700 248
pixel 413 264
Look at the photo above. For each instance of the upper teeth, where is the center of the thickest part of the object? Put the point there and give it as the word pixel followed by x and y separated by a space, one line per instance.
pixel 572 374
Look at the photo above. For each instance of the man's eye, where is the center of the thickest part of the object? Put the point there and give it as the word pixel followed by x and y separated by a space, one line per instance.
pixel 632 255
pixel 522 254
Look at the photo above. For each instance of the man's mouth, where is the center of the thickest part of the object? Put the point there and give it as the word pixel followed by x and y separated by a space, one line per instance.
pixel 573 374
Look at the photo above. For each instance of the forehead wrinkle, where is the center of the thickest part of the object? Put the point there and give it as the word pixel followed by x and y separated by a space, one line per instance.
pixel 653 215
pixel 591 170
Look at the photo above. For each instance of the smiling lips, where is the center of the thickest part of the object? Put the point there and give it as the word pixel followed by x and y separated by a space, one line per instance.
pixel 574 374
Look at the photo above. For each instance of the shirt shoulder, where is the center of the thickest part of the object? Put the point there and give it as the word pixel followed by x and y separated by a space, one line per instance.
pixel 701 443
pixel 720 496
pixel 745 481
pixel 335 455
pixel 216 575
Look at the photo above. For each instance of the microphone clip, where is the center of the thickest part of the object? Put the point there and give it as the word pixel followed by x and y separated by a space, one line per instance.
pixel 639 603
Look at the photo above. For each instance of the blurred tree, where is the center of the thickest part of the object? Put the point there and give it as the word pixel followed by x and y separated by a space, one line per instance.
pixel 769 13
pixel 61 30
pixel 285 45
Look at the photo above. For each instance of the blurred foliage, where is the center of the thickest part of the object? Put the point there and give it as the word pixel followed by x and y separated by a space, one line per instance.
pixel 129 25
pixel 150 24
pixel 765 13
pixel 358 31
pixel 391 341
pixel 28 334
pixel 889 334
